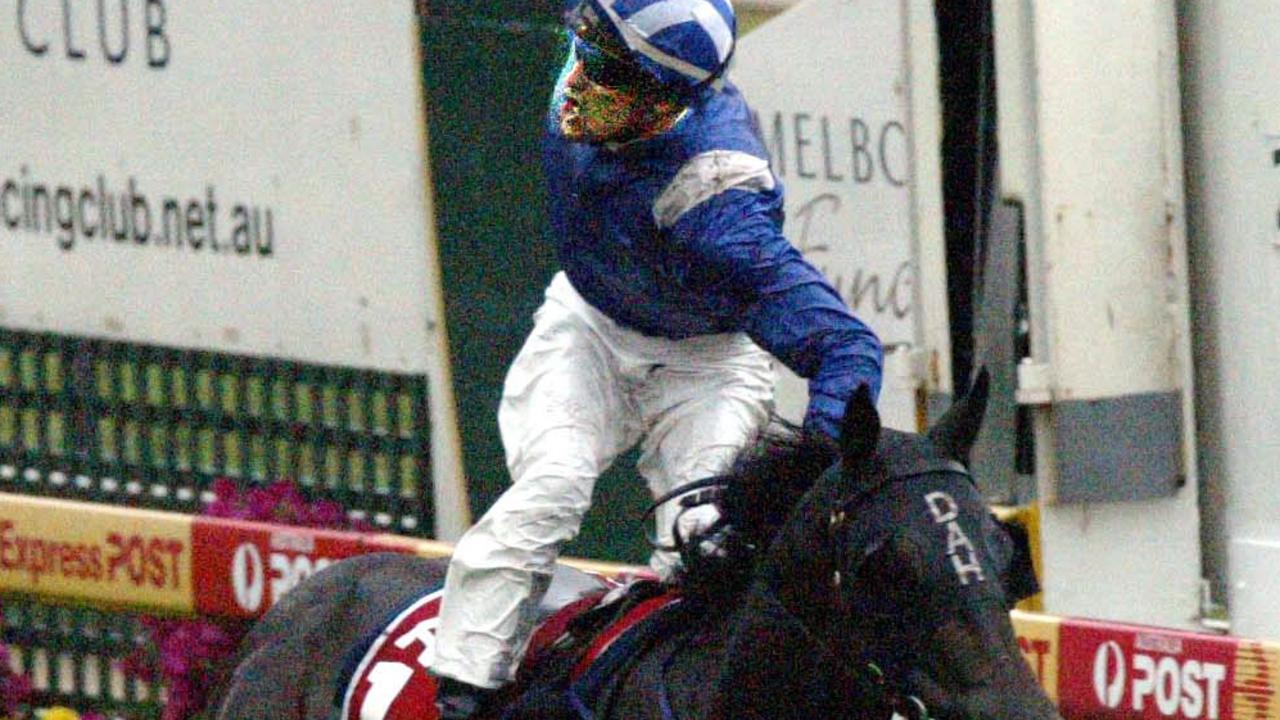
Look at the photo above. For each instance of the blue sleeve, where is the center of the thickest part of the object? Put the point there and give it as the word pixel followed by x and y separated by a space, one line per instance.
pixel 730 248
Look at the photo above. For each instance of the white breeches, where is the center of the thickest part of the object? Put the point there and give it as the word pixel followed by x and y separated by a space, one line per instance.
pixel 582 391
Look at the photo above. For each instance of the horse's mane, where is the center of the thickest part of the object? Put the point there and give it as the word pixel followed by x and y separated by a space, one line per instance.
pixel 770 476
pixel 758 492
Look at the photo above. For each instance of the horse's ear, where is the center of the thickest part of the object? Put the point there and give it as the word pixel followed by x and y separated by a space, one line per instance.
pixel 955 433
pixel 860 429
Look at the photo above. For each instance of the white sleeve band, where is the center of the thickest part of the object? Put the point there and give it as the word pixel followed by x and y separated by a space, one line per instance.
pixel 706 176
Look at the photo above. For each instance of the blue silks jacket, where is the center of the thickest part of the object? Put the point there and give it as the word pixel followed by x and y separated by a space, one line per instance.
pixel 681 235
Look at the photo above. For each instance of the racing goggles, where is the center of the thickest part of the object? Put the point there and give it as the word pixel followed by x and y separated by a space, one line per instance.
pixel 604 60
pixel 608 71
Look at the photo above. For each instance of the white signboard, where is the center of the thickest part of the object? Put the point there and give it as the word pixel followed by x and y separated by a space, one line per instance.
pixel 239 176
pixel 828 80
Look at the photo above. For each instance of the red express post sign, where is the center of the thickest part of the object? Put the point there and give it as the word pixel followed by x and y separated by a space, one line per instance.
pixel 1128 672
pixel 243 568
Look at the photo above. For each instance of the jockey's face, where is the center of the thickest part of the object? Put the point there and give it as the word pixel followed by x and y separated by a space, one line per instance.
pixel 607 101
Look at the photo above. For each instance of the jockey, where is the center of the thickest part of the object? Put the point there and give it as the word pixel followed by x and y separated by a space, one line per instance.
pixel 677 287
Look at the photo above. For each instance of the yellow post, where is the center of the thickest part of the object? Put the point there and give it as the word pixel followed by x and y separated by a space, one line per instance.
pixel 1027 516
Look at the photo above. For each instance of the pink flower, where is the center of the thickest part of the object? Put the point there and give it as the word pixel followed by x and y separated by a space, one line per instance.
pixel 327 514
pixel 14 691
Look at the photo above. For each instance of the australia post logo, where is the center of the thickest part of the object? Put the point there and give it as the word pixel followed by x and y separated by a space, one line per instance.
pixel 1122 673
pixel 242 569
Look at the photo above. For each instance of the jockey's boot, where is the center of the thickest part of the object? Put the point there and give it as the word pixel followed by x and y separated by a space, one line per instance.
pixel 457 700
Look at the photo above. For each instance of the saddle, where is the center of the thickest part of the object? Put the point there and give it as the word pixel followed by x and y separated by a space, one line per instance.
pixel 573 668
pixel 587 626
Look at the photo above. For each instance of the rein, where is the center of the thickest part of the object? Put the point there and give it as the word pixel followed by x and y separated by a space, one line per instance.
pixel 868 678
pixel 711 489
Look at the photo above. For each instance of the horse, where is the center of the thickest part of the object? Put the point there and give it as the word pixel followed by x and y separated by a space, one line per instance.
pixel 854 579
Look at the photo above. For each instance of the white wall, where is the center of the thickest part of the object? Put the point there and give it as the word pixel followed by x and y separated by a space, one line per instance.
pixel 1231 70
pixel 1089 137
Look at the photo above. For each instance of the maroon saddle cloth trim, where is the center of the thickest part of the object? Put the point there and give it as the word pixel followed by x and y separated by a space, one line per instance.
pixel 386 678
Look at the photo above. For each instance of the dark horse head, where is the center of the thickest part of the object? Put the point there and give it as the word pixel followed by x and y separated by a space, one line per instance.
pixel 886 587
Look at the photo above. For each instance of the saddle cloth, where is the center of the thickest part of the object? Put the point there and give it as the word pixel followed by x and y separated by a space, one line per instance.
pixel 385 676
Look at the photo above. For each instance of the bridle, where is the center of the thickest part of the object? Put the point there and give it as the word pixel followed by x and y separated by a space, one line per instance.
pixel 866 675
pixel 840 521
pixel 848 506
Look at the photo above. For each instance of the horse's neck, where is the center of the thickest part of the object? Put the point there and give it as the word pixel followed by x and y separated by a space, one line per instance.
pixel 772 666
pixel 679 672
pixel 698 671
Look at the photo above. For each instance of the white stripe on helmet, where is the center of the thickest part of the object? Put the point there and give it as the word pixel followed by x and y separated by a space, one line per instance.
pixel 662 15
pixel 639 42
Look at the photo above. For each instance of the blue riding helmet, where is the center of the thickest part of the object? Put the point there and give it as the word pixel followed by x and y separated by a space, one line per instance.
pixel 685 45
